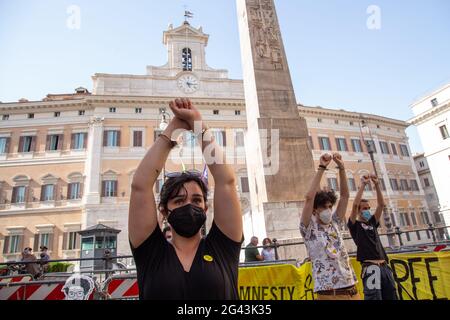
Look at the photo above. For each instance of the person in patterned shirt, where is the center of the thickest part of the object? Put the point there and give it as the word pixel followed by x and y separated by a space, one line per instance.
pixel 334 278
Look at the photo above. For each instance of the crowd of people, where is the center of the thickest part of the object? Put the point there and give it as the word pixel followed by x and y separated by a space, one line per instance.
pixel 178 262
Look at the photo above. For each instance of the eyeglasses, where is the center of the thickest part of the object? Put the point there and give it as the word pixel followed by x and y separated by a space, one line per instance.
pixel 194 173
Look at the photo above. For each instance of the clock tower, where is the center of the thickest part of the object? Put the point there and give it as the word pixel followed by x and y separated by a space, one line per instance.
pixel 186 72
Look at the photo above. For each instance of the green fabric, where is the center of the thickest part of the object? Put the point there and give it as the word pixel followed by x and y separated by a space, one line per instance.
pixel 250 253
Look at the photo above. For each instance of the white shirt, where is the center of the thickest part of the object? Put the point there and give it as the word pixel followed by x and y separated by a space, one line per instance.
pixel 329 258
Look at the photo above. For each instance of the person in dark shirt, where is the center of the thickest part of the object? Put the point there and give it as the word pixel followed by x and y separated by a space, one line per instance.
pixel 378 280
pixel 189 267
pixel 251 251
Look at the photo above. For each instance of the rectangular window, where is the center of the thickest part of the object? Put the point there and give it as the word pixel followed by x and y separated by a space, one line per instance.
pixel 402 219
pixel 220 137
pixel 394 149
pixel 324 143
pixel 26 144
pixel 74 191
pixel 5 117
pixel 394 184
pixel 383 184
pixel 112 110
pixel 111 138
pixel 444 132
pixel 319 120
pixel 137 139
pixel 4 145
pixel 333 184
pixel 138 110
pixel 48 192
pixel 237 112
pixel 79 141
pixel 18 195
pixel 44 240
pixel 341 144
pixel 72 241
pixel 425 218
pixel 239 139
pixel 356 144
pixel 14 242
pixel 215 112
pixel 393 220
pixel 408 237
pixel 244 185
pixel 413 218
pixel 31 116
pixel 109 188
pixel 351 184
pixel 418 235
pixel 404 185
pixel 57 114
pixel 414 185
pixel 384 147
pixel 351 123
pixel 437 217
pixel 336 121
pixel 404 150
pixel 54 142
pixel 368 187
pixel 426 182
pixel 81 112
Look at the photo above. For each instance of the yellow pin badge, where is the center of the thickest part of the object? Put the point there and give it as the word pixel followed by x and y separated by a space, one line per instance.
pixel 208 258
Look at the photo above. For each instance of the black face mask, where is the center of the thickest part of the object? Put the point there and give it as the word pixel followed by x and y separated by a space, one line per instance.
pixel 187 220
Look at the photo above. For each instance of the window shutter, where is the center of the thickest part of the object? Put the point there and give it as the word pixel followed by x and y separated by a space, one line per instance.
pixel 13 196
pixel 69 190
pixel 33 144
pixel 20 144
pixel 20 243
pixel 27 194
pixel 50 241
pixel 103 188
pixel 42 192
pixel 8 142
pixel 105 138
pixel 321 143
pixel 55 191
pixel 36 242
pixel 47 143
pixel 6 245
pixel 77 240
pixel 338 145
pixel 118 138
pixel 72 141
pixel 60 142
pixel 85 140
pixel 224 136
pixel 115 189
pixel 64 245
pixel 80 190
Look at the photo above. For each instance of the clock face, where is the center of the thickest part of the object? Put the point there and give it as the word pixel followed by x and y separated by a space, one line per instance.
pixel 188 83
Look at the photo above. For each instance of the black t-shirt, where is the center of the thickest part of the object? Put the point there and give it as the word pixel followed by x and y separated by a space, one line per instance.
pixel 367 240
pixel 213 275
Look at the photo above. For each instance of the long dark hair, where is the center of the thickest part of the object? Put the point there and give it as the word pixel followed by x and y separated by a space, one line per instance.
pixel 172 187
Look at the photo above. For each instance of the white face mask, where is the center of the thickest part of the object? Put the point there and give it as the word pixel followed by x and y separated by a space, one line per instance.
pixel 326 216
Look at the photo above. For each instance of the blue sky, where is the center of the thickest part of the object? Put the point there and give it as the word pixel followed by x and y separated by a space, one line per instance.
pixel 335 60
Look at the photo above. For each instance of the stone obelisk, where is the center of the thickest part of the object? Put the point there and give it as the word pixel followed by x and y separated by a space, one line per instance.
pixel 279 175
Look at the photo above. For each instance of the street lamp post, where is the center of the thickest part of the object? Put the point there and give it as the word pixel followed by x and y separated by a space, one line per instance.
pixel 371 150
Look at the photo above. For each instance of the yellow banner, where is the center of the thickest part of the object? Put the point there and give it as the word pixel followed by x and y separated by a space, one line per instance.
pixel 421 276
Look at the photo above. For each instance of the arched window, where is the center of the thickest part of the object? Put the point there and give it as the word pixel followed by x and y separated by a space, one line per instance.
pixel 186 59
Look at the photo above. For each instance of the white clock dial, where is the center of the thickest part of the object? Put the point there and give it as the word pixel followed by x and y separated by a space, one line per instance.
pixel 188 83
